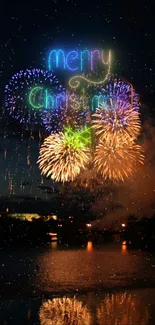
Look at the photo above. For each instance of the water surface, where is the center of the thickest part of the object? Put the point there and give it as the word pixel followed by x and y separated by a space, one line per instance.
pixel 56 269
pixel 106 285
pixel 135 307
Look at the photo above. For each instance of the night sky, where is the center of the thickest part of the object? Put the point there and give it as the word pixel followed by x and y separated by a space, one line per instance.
pixel 28 31
pixel 128 29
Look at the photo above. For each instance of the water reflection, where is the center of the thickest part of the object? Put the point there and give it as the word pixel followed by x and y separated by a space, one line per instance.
pixel 89 246
pixel 64 311
pixel 107 267
pixel 54 245
pixel 124 247
pixel 122 309
pixel 115 309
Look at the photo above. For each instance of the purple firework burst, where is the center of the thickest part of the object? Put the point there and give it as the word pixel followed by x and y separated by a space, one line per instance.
pixel 17 94
pixel 69 110
pixel 115 89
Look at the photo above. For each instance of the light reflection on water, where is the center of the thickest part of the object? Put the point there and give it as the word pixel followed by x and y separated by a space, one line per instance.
pixel 109 266
pixel 57 271
pixel 121 308
pixel 114 309
pixel 54 245
pixel 64 311
pixel 89 246
pixel 124 247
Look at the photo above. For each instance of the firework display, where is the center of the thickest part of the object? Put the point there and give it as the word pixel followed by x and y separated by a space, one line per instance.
pixel 64 155
pixel 120 120
pixel 113 151
pixel 25 92
pixel 54 119
pixel 64 311
pixel 93 130
pixel 117 159
pixel 117 125
pixel 73 110
pixel 118 88
pixel 109 93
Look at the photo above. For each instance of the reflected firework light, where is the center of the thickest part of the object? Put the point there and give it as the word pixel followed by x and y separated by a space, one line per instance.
pixel 24 94
pixel 63 156
pixel 120 120
pixel 64 311
pixel 122 309
pixel 117 159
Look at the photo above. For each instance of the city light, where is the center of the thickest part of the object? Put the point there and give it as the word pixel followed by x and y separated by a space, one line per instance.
pixel 53 236
pixel 88 225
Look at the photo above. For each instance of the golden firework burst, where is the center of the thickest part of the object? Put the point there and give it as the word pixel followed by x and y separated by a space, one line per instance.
pixel 63 156
pixel 116 159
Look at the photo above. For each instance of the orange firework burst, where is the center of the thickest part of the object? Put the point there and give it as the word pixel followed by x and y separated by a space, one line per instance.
pixel 121 119
pixel 116 159
pixel 63 156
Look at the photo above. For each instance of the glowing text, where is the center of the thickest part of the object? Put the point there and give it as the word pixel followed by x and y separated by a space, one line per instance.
pixel 77 60
pixel 41 98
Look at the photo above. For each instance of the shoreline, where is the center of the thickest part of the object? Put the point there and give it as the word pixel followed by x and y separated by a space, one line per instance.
pixel 70 293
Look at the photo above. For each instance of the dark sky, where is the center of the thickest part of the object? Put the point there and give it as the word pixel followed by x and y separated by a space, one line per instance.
pixel 128 28
pixel 29 29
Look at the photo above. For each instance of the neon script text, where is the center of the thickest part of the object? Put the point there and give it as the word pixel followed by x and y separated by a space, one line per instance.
pixel 41 98
pixel 77 60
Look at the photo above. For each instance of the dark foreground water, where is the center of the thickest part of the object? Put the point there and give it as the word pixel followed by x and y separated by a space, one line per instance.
pixel 110 285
